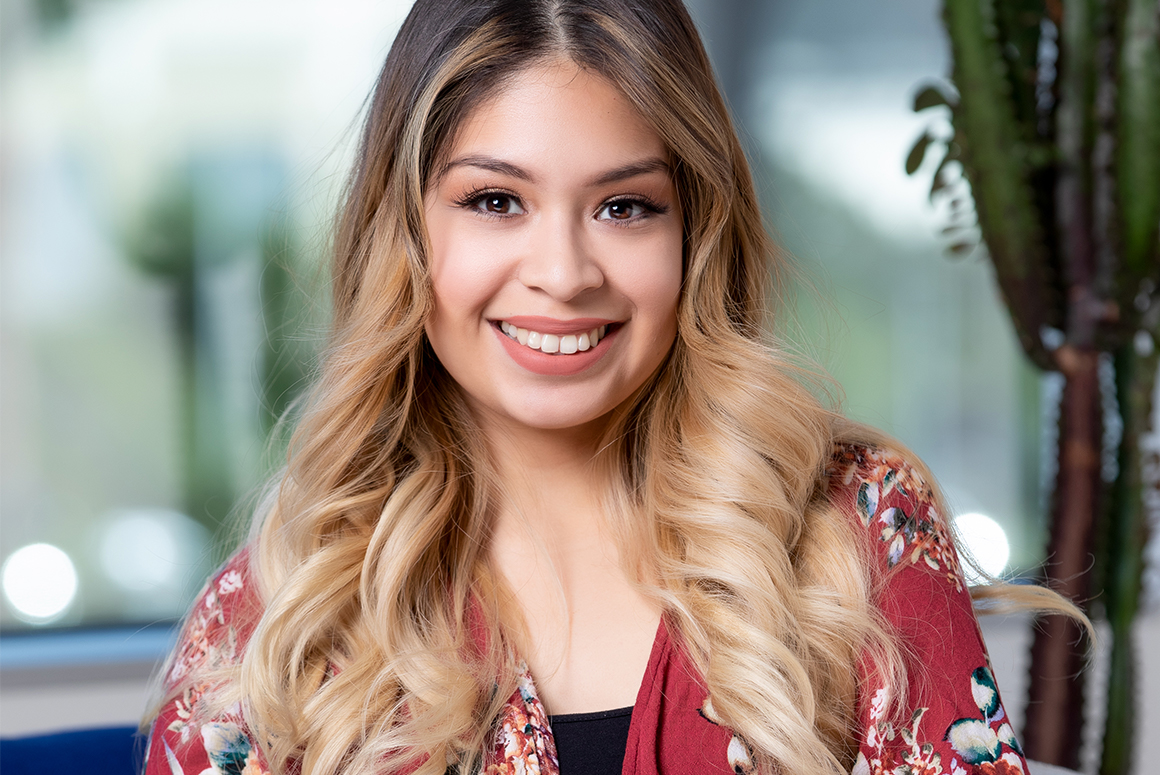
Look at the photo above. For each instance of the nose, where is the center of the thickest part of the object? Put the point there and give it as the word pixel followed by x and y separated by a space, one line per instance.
pixel 558 261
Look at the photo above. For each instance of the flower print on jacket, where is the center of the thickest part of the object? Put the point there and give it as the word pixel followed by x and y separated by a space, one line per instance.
pixel 210 641
pixel 738 753
pixel 912 529
pixel 228 748
pixel 988 740
pixel 987 744
pixel 523 743
pixel 899 752
pixel 954 722
pixel 183 741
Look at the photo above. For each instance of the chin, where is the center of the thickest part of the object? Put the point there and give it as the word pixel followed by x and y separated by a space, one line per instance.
pixel 555 416
pixel 560 421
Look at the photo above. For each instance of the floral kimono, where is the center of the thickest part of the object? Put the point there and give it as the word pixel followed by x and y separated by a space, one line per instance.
pixel 954 721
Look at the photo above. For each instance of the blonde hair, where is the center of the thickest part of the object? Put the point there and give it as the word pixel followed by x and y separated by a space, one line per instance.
pixel 372 549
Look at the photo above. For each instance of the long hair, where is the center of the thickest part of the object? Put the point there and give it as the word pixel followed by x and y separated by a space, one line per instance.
pixel 371 553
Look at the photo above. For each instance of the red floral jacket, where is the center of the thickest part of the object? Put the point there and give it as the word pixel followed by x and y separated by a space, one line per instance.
pixel 956 722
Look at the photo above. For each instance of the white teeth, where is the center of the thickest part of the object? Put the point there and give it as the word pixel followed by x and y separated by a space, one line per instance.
pixel 567 344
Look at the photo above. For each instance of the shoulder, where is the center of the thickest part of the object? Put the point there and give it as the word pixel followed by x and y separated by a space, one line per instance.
pixel 950 718
pixel 895 506
pixel 219 622
pixel 185 736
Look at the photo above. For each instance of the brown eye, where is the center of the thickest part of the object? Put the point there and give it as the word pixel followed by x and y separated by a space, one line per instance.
pixel 622 210
pixel 496 203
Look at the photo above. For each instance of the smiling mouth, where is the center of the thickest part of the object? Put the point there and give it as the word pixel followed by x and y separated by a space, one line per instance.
pixel 554 344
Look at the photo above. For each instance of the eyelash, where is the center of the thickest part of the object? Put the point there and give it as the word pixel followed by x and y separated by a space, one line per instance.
pixel 472 199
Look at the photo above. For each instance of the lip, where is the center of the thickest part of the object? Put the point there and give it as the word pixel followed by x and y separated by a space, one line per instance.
pixel 553 325
pixel 549 365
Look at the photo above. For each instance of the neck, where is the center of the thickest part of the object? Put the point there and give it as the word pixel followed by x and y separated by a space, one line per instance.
pixel 572 602
pixel 548 481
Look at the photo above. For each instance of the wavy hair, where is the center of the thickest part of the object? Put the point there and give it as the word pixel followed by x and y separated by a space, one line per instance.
pixel 371 552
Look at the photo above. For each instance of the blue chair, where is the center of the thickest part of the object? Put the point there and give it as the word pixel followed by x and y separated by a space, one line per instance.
pixel 106 751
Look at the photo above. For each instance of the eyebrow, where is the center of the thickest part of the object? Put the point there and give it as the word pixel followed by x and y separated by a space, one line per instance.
pixel 492 164
pixel 632 170
pixel 488 163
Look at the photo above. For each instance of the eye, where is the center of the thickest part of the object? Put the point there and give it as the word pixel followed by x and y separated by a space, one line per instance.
pixel 493 203
pixel 627 210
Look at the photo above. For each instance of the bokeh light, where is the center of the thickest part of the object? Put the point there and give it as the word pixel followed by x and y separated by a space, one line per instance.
pixel 144 550
pixel 40 582
pixel 986 541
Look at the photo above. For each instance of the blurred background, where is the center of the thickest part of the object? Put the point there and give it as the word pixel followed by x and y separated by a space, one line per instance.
pixel 168 173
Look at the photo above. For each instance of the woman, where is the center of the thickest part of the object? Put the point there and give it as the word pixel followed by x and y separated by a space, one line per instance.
pixel 555 503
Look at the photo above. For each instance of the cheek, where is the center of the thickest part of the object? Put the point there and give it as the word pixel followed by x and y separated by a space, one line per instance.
pixel 463 273
pixel 654 284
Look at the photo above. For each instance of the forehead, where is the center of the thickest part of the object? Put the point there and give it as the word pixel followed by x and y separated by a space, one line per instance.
pixel 561 116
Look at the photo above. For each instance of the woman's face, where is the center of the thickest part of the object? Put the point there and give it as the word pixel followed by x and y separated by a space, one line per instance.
pixel 556 242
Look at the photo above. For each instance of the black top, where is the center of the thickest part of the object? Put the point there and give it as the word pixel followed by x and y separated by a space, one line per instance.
pixel 591 743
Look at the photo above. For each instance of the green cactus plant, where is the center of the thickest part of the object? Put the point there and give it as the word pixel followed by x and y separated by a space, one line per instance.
pixel 1055 116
